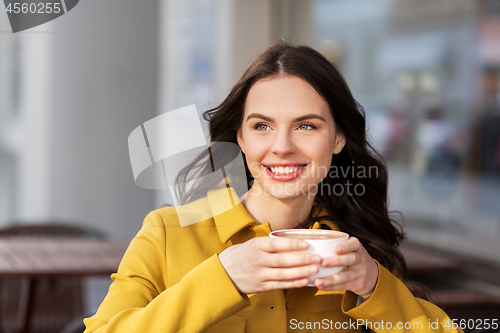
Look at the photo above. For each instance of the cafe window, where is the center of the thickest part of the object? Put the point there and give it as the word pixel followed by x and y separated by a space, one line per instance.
pixel 433 112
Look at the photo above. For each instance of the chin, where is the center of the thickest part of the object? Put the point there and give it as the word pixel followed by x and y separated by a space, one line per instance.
pixel 288 191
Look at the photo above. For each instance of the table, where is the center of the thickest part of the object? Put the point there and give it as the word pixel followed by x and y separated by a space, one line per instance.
pixel 70 256
pixel 59 256
pixel 36 257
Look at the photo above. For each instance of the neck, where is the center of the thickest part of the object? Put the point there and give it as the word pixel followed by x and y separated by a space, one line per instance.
pixel 280 213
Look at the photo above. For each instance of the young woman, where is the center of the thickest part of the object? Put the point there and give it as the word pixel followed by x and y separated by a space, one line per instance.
pixel 309 165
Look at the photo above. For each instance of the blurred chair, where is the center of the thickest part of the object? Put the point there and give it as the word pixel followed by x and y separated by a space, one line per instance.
pixel 469 307
pixel 54 303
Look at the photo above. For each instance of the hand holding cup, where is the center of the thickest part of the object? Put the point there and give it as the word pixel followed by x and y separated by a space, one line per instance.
pixel 265 263
pixel 321 242
pixel 360 275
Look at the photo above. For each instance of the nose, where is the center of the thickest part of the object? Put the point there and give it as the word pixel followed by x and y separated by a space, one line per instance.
pixel 283 144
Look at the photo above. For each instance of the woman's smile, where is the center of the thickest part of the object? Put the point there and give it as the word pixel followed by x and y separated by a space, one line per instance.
pixel 288 137
pixel 285 172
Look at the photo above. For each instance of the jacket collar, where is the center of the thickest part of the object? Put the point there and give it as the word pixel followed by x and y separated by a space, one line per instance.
pixel 230 216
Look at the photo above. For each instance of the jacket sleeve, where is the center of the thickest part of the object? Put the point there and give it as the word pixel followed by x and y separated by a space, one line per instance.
pixel 138 301
pixel 392 307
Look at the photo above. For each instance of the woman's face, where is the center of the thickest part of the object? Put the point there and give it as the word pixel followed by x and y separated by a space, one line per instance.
pixel 288 137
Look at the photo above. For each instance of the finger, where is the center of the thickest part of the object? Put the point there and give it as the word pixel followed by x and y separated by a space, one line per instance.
pixel 349 259
pixel 343 277
pixel 291 273
pixel 273 285
pixel 338 281
pixel 357 286
pixel 339 286
pixel 351 245
pixel 268 244
pixel 290 259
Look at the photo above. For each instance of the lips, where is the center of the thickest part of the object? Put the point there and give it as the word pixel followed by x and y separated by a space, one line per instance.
pixel 285 172
pixel 280 170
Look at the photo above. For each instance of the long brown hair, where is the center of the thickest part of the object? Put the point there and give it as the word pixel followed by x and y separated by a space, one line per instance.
pixel 361 212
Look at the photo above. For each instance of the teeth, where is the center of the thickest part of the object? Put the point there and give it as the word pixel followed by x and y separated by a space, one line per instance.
pixel 284 170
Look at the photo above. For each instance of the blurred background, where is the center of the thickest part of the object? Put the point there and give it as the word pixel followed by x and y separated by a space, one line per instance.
pixel 426 72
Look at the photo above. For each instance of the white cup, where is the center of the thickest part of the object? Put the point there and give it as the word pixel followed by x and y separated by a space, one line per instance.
pixel 321 242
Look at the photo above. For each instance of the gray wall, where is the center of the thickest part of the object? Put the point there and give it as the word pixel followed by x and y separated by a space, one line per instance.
pixel 105 85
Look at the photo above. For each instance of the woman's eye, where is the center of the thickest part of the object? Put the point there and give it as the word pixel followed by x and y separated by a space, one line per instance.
pixel 306 127
pixel 261 127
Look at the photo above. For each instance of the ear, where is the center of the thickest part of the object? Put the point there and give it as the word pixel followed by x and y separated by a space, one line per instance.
pixel 239 138
pixel 339 143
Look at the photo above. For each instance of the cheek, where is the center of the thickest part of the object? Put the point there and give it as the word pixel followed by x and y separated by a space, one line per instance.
pixel 255 147
pixel 319 149
pixel 255 152
pixel 321 153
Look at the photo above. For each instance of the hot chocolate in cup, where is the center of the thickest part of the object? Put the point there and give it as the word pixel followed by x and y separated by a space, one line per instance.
pixel 321 242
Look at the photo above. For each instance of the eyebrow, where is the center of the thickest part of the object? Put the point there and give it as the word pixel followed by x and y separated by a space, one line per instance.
pixel 302 118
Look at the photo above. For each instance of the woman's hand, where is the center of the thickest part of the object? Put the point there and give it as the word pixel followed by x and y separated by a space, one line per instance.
pixel 264 263
pixel 360 275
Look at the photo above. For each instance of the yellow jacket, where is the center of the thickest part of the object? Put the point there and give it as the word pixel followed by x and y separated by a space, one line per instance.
pixel 171 280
